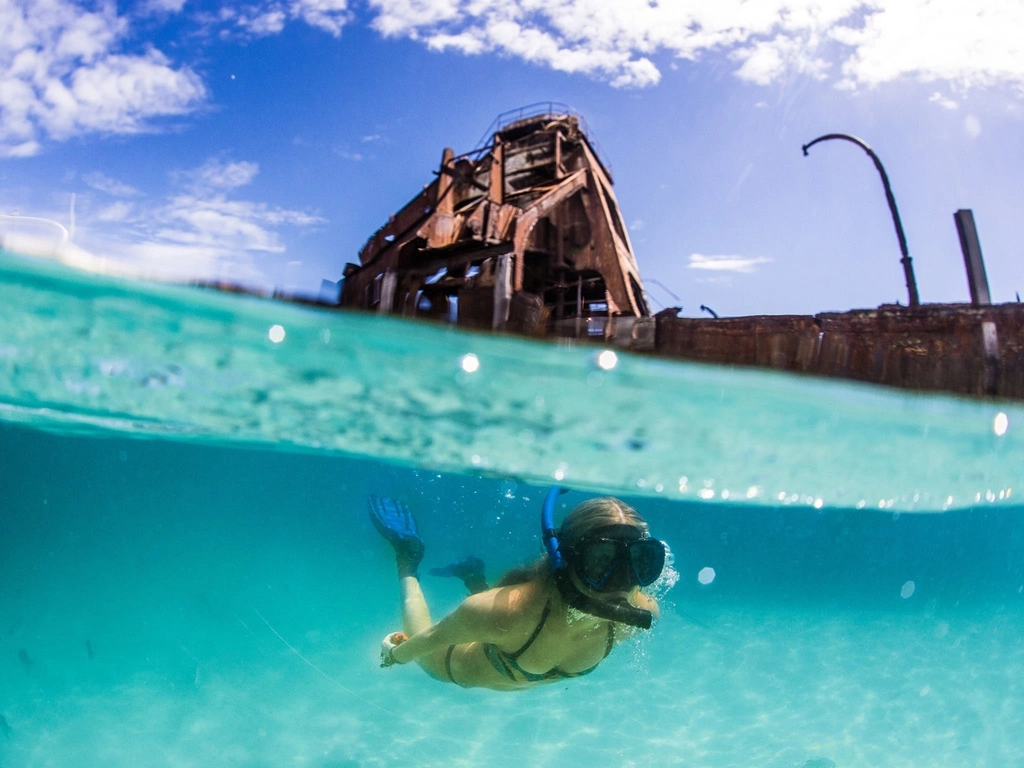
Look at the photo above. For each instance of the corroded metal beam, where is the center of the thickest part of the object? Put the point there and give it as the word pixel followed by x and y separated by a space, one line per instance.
pixel 908 266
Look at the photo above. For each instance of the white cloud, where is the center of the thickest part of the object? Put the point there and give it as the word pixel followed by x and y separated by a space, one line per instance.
pixel 858 42
pixel 765 61
pixel 72 67
pixel 261 19
pixel 118 211
pixel 328 15
pixel 263 22
pixel 216 174
pixel 63 73
pixel 967 44
pixel 228 225
pixel 162 6
pixel 943 101
pixel 726 263
pixel 211 237
pixel 201 230
pixel 973 126
pixel 107 185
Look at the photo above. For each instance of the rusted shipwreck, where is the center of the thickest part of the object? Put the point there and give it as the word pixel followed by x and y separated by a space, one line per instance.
pixel 523 234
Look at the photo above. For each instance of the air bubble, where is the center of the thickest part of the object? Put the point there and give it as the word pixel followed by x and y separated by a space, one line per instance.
pixel 607 360
pixel 1000 424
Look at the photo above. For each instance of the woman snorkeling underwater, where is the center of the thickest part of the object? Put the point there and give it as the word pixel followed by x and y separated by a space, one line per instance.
pixel 555 619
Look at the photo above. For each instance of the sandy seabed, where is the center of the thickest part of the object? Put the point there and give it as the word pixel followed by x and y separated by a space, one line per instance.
pixel 732 686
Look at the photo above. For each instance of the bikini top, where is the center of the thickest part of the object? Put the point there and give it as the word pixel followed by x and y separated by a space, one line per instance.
pixel 508 663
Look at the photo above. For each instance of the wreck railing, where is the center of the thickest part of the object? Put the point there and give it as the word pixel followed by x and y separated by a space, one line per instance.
pixel 545 109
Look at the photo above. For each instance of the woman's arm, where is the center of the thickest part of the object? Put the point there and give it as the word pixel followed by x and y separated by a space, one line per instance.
pixel 479 618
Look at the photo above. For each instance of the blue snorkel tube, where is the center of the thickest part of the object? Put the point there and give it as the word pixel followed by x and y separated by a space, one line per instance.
pixel 547 528
pixel 621 611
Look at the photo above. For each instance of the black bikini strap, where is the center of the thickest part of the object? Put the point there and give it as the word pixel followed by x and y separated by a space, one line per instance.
pixel 540 626
pixel 497 658
pixel 448 663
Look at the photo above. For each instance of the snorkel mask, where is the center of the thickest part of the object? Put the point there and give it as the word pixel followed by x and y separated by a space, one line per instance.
pixel 617 558
pixel 614 558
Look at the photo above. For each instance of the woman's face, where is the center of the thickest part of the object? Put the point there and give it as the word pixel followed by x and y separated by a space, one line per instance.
pixel 611 596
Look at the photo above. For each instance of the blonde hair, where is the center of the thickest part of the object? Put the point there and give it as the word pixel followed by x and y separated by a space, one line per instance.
pixel 593 514
pixel 582 521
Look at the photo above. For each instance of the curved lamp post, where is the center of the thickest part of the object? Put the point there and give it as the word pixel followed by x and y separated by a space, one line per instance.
pixel 908 267
pixel 64 236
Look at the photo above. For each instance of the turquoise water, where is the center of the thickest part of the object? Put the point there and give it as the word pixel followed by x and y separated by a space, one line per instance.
pixel 188 577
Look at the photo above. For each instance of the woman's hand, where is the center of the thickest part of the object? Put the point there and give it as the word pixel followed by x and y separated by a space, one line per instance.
pixel 388 645
pixel 479 618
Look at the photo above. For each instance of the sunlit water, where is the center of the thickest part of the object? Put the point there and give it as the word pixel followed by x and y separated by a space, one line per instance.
pixel 188 576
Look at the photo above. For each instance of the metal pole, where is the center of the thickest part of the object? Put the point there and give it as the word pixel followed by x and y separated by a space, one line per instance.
pixel 579 304
pixel 977 281
pixel 908 267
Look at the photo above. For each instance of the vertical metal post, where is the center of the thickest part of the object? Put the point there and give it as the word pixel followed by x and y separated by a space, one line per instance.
pixel 496 187
pixel 579 304
pixel 502 290
pixel 990 347
pixel 387 293
pixel 977 281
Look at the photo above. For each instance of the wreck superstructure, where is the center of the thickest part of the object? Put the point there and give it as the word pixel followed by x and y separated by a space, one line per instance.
pixel 523 234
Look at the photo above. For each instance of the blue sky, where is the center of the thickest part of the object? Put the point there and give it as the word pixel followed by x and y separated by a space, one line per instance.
pixel 264 142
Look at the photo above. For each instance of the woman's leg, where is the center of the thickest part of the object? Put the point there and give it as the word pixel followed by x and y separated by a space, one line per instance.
pixel 416 618
pixel 470 570
pixel 415 613
pixel 395 523
pixel 455 664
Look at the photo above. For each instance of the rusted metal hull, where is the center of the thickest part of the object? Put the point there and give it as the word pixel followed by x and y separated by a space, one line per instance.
pixel 953 348
pixel 523 234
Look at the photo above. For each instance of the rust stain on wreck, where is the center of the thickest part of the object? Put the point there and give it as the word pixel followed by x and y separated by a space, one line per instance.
pixel 521 235
pixel 954 348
